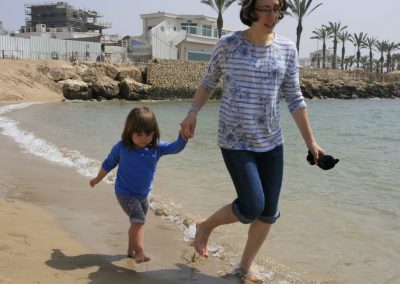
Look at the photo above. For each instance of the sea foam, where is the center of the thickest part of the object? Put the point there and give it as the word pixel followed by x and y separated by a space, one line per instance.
pixel 46 150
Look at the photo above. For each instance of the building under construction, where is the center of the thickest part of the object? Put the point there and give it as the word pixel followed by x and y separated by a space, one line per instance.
pixel 63 15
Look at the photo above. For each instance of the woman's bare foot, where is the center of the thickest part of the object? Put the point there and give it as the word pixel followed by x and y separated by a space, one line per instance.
pixel 201 239
pixel 141 257
pixel 130 255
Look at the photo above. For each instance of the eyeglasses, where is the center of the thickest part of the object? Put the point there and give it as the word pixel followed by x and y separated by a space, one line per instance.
pixel 268 10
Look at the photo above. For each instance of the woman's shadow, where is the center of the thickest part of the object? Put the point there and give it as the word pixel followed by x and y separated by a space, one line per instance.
pixel 108 272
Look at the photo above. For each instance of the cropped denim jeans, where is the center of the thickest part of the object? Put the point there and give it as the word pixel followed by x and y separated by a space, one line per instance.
pixel 257 177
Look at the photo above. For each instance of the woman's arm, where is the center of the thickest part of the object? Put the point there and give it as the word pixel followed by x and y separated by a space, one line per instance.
pixel 300 116
pixel 188 125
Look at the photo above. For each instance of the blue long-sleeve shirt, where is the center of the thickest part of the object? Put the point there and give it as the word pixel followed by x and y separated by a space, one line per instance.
pixel 136 167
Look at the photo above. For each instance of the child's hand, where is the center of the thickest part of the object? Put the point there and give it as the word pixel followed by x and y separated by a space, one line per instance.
pixel 184 137
pixel 188 125
pixel 93 182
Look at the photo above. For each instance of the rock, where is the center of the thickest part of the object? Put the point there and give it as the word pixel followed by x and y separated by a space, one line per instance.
pixel 56 73
pixel 105 87
pixel 132 90
pixel 76 90
pixel 130 73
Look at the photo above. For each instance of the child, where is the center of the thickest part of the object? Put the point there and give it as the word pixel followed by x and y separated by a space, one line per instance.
pixel 136 155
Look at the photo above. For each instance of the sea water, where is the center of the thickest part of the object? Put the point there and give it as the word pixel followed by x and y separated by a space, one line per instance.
pixel 341 225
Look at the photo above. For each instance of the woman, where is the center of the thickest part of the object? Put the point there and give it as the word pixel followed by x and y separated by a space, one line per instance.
pixel 256 66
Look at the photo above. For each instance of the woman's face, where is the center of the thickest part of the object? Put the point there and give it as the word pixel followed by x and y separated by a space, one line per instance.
pixel 267 12
pixel 142 139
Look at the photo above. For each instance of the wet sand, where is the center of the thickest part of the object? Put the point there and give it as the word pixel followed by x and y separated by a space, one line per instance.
pixel 56 228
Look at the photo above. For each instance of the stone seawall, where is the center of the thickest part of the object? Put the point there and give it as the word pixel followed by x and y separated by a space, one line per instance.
pixel 170 79
pixel 176 79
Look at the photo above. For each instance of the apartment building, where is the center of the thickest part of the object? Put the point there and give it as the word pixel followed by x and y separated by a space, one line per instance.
pixel 173 36
pixel 60 20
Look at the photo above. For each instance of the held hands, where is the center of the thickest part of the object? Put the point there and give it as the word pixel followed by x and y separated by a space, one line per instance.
pixel 188 125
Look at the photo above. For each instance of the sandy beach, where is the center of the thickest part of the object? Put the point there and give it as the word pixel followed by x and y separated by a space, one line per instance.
pixel 51 228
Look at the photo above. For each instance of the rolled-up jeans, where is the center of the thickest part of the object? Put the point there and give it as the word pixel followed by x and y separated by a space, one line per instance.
pixel 257 177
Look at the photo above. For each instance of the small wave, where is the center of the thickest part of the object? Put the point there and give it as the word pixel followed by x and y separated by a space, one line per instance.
pixel 8 108
pixel 39 147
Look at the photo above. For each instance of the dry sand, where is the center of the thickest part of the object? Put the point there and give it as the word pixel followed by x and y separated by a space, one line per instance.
pixel 56 229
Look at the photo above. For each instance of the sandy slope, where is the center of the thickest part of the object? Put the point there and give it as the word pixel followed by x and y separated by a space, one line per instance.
pixel 20 81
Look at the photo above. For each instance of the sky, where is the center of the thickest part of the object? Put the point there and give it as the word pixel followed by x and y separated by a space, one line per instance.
pixel 376 18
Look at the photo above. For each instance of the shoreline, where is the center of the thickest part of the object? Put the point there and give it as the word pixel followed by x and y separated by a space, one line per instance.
pixel 56 224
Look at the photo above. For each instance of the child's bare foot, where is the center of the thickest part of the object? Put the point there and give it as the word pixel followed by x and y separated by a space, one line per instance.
pixel 201 239
pixel 141 257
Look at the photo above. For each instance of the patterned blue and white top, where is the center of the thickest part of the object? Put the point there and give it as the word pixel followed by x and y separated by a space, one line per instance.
pixel 253 77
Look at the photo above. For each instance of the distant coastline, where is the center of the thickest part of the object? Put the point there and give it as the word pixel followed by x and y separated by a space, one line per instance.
pixel 29 80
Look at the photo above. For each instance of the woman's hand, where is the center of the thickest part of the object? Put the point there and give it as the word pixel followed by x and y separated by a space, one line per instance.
pixel 316 150
pixel 188 125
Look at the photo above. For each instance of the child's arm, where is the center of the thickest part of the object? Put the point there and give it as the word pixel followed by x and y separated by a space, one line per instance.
pixel 108 164
pixel 102 173
pixel 175 147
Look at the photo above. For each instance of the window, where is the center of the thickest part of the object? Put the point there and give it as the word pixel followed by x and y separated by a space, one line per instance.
pixel 207 30
pixel 215 33
pixel 190 27
pixel 136 42
pixel 198 56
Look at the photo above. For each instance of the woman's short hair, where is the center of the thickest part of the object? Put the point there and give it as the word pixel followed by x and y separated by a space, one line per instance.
pixel 247 15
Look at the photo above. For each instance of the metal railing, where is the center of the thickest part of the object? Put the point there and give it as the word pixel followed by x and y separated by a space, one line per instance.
pixel 66 56
pixel 361 75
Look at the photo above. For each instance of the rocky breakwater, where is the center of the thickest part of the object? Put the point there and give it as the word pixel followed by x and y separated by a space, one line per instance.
pixel 159 79
pixel 177 79
pixel 92 80
pixel 348 89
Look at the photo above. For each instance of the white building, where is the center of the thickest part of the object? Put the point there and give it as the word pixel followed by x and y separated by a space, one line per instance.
pixel 2 30
pixel 41 30
pixel 171 36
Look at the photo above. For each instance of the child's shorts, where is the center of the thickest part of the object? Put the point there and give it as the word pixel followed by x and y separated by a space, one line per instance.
pixel 135 209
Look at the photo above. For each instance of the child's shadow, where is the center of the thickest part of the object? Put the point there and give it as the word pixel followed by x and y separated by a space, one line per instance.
pixel 110 273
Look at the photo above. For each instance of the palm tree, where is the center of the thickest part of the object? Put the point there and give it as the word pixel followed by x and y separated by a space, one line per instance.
pixel 335 29
pixel 349 61
pixel 390 46
pixel 364 61
pixel 321 34
pixel 377 64
pixel 300 9
pixel 396 57
pixel 381 47
pixel 219 6
pixel 343 37
pixel 358 40
pixel 370 43
pixel 315 57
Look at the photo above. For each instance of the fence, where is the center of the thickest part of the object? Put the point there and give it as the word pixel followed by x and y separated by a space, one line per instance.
pixel 348 75
pixel 47 48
